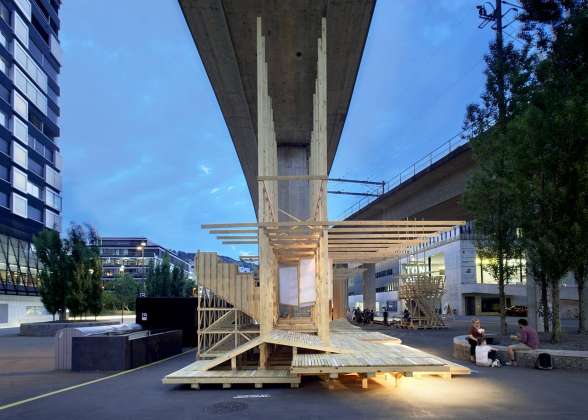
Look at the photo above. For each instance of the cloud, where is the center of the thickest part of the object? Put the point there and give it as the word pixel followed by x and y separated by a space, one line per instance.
pixel 215 190
pixel 205 169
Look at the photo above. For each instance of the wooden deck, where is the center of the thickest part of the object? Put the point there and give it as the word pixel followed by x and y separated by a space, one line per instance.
pixel 350 350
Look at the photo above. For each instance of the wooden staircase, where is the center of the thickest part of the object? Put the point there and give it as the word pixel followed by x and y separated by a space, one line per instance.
pixel 224 280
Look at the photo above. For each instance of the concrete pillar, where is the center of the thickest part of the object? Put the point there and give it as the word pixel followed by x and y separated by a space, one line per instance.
pixel 535 321
pixel 293 196
pixel 369 287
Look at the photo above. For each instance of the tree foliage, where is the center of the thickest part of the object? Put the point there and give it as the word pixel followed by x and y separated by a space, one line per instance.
pixel 531 185
pixel 164 281
pixel 124 289
pixel 71 271
pixel 489 193
pixel 54 284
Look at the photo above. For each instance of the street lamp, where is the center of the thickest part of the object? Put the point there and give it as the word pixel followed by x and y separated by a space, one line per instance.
pixel 121 270
pixel 141 248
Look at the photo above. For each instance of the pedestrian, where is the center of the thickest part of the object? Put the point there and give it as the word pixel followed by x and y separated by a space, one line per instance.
pixel 527 338
pixel 475 335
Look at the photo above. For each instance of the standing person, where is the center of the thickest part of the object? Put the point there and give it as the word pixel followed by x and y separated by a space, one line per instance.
pixel 527 338
pixel 475 334
pixel 385 316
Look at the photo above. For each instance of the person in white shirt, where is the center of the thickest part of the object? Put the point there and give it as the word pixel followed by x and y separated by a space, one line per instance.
pixel 482 354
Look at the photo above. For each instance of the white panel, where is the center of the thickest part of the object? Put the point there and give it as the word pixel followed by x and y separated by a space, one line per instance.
pixel 19 205
pixel 307 282
pixel 288 285
pixel 20 154
pixel 21 30
pixel 20 130
pixel 19 179
pixel 21 106
pixel 25 7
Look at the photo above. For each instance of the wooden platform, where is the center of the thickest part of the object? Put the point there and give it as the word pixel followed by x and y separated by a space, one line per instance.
pixel 350 350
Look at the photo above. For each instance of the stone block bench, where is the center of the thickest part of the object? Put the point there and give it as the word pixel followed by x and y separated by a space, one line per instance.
pixel 562 359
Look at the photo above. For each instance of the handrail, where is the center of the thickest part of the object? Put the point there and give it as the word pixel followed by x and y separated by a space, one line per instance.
pixel 410 172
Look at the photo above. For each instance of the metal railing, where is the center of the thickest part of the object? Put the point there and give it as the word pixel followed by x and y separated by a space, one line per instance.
pixel 424 163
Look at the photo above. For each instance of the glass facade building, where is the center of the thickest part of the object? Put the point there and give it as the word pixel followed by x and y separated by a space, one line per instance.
pixel 30 160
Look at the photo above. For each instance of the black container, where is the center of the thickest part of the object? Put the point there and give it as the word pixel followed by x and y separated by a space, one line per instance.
pixel 176 313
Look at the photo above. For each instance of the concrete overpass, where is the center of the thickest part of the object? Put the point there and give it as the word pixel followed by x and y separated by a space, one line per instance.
pixel 225 34
pixel 434 193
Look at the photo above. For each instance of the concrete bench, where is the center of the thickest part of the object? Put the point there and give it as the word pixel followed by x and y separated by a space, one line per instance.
pixel 562 359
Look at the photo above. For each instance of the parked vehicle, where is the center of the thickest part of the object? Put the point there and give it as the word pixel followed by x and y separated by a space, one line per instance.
pixel 517 310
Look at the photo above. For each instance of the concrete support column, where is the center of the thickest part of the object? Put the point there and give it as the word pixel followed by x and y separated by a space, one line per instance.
pixel 369 287
pixel 533 317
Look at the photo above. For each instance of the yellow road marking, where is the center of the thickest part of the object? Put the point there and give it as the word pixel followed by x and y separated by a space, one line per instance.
pixel 69 388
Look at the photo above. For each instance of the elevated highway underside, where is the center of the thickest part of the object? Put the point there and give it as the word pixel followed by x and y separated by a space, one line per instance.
pixel 225 34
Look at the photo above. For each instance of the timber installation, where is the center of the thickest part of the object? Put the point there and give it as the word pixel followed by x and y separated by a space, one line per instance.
pixel 284 94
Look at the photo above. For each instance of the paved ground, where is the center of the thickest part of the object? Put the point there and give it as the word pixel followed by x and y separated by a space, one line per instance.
pixel 488 393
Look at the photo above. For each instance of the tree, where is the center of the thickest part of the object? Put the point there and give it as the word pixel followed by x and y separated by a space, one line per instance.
pixel 551 159
pixel 489 192
pixel 54 285
pixel 71 271
pixel 177 283
pixel 86 270
pixel 124 289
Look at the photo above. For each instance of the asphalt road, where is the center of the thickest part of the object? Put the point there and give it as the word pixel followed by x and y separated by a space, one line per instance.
pixel 487 393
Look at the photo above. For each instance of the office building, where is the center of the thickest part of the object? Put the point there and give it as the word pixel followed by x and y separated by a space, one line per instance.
pixel 30 161
pixel 134 256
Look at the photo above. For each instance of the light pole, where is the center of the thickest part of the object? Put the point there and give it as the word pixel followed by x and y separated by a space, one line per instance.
pixel 121 271
pixel 141 248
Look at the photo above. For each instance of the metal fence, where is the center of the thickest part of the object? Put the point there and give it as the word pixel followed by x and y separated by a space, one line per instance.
pixel 416 167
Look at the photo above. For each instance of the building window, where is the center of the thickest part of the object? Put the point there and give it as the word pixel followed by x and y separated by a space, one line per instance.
pixel 4 13
pixel 21 30
pixel 35 167
pixel 20 129
pixel 3 121
pixel 25 7
pixel 3 199
pixel 19 205
pixel 31 91
pixel 19 179
pixel 3 65
pixel 29 65
pixel 3 40
pixel 4 173
pixel 52 220
pixel 34 213
pixel 52 199
pixel 52 177
pixel 33 190
pixel 20 105
pixel 19 154
pixel 4 146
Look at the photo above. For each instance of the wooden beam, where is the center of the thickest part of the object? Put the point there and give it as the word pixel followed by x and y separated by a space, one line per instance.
pixel 232 231
pixel 237 237
pixel 334 223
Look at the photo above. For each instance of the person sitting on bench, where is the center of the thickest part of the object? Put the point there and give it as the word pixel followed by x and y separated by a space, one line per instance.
pixel 528 339
pixel 486 355
pixel 475 334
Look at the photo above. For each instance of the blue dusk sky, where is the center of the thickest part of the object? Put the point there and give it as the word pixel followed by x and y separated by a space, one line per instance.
pixel 145 148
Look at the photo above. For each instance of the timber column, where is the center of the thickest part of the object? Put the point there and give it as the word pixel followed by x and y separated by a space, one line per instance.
pixel 318 198
pixel 268 191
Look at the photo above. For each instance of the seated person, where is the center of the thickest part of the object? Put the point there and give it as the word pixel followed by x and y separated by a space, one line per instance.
pixel 406 316
pixel 475 334
pixel 485 355
pixel 528 339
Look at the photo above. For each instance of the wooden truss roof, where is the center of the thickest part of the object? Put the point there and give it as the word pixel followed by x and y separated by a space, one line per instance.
pixel 348 241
